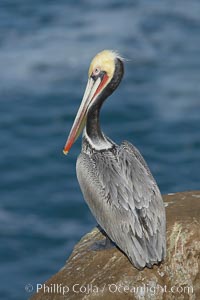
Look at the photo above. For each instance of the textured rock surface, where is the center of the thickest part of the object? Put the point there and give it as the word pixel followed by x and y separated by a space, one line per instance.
pixel 108 274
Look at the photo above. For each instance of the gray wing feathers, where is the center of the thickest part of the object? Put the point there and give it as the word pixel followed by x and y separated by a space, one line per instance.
pixel 126 202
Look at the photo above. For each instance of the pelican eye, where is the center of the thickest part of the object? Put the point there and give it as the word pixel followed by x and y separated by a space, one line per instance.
pixel 96 71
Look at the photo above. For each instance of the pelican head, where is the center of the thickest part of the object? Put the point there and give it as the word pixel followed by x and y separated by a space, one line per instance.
pixel 104 75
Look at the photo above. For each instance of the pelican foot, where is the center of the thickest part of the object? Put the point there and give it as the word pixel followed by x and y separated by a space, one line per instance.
pixel 104 244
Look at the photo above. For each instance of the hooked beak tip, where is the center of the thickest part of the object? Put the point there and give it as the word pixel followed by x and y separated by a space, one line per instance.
pixel 65 152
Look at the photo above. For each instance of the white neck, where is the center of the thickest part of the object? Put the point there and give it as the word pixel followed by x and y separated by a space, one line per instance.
pixel 99 145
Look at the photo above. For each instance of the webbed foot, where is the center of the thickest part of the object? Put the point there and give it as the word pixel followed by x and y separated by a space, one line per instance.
pixel 104 244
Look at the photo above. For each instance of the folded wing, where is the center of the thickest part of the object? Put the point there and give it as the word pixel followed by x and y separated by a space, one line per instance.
pixel 126 202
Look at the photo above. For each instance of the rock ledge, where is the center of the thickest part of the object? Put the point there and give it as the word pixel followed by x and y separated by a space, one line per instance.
pixel 109 275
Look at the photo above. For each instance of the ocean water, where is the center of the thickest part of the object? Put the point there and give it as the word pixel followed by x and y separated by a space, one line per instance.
pixel 45 51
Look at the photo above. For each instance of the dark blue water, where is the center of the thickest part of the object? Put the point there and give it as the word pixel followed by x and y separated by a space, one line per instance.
pixel 45 51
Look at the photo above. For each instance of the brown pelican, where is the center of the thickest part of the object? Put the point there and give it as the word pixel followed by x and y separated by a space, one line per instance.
pixel 115 180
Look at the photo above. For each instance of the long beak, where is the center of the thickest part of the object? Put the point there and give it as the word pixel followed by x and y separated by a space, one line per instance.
pixel 91 90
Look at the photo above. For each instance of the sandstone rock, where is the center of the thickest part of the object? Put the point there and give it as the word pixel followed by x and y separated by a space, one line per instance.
pixel 108 274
